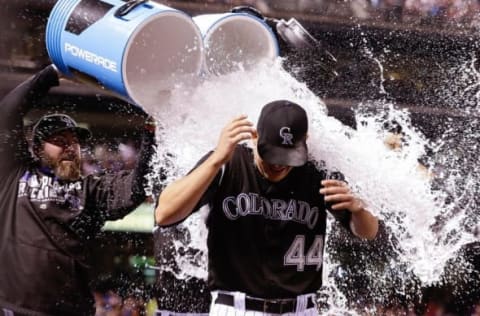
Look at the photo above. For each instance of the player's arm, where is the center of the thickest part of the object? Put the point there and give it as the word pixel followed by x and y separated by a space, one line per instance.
pixel 362 223
pixel 179 198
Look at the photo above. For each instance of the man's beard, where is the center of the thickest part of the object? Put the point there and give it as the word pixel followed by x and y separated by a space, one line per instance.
pixel 67 170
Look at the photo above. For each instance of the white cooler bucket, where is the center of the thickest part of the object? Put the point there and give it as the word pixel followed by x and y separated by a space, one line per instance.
pixel 235 41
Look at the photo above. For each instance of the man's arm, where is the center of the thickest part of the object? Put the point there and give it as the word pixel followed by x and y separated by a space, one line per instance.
pixel 362 223
pixel 13 107
pixel 118 193
pixel 179 198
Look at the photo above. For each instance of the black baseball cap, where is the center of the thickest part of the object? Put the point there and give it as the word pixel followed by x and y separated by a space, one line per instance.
pixel 282 133
pixel 55 123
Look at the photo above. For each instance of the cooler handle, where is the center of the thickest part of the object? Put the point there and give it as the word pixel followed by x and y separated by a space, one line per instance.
pixel 127 7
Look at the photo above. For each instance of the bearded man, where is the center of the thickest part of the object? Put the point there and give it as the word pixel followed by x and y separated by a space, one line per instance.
pixel 49 212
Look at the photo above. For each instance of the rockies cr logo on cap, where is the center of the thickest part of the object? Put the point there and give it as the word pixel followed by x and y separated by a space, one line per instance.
pixel 286 135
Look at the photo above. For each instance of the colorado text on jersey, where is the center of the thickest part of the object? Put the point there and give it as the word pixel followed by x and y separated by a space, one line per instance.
pixel 253 204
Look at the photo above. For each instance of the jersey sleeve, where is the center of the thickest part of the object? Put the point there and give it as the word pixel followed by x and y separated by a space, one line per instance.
pixel 13 107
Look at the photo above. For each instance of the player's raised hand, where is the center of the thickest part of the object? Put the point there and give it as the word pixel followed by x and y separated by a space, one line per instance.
pixel 338 195
pixel 239 129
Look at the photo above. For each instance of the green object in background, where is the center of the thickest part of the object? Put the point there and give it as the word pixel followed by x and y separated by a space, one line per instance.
pixel 146 264
pixel 141 220
pixel 141 262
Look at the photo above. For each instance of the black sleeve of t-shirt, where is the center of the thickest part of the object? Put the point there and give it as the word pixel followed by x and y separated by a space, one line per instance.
pixel 14 106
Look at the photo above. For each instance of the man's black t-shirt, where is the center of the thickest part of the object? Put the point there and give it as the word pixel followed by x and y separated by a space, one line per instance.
pixel 266 238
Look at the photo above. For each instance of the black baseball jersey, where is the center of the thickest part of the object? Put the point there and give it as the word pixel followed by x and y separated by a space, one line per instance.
pixel 266 239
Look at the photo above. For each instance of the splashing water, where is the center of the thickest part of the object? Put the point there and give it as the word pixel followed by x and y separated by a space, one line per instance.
pixel 411 202
pixel 389 181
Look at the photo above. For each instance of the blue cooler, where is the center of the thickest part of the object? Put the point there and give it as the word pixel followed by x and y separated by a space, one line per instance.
pixel 235 41
pixel 138 49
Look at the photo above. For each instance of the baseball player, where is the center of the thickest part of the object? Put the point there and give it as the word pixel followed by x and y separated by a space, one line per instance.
pixel 267 217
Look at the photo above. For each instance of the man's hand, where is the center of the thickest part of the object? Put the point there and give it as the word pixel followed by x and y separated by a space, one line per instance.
pixel 239 129
pixel 338 194
pixel 362 223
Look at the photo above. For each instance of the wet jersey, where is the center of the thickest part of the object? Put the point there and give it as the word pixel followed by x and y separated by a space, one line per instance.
pixel 266 239
pixel 46 224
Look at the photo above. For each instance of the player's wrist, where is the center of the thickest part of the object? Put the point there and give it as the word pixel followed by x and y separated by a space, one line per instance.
pixel 358 209
pixel 216 160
